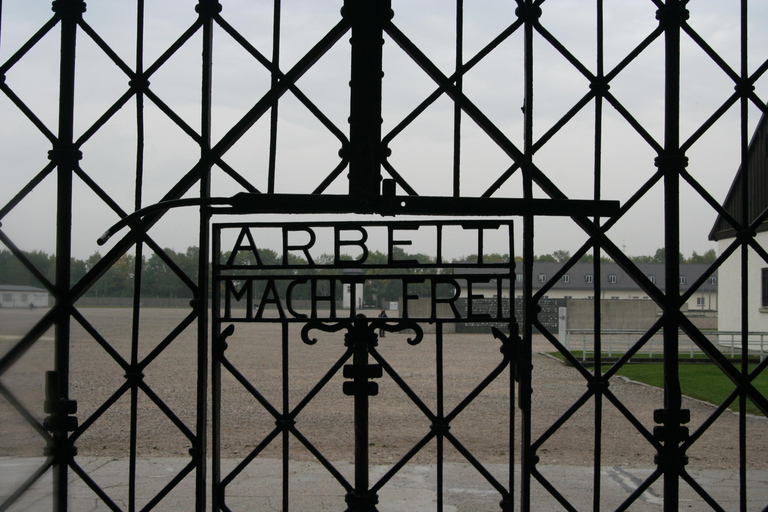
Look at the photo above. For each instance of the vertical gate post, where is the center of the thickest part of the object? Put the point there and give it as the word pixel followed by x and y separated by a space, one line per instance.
pixel 671 459
pixel 361 337
pixel 529 12
pixel 65 155
pixel 207 9
pixel 367 19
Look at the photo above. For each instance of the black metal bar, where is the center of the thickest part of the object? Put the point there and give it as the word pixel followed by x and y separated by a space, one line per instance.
pixel 529 12
pixel 66 157
pixel 207 10
pixel 26 189
pixel 276 76
pixel 418 205
pixel 360 337
pixel 440 390
pixel 745 208
pixel 290 78
pixel 103 496
pixel 216 348
pixel 23 412
pixel 24 487
pixel 671 459
pixel 27 112
pixel 456 107
pixel 601 86
pixel 29 44
pixel 289 421
pixel 135 328
pixel 19 254
pixel 367 19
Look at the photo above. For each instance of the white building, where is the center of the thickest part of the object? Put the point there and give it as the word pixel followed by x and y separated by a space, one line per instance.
pixel 615 284
pixel 724 232
pixel 347 297
pixel 14 296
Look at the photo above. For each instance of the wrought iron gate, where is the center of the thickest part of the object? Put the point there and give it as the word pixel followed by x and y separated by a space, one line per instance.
pixel 363 174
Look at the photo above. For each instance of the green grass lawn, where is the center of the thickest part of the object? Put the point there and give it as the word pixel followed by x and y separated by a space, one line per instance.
pixel 702 381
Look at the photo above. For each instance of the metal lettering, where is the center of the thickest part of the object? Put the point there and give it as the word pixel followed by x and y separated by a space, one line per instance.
pixel 339 243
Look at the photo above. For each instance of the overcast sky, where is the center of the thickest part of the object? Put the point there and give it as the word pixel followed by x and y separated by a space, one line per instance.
pixel 422 153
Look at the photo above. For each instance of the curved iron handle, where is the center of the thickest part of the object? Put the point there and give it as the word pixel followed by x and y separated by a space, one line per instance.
pixel 401 325
pixel 322 326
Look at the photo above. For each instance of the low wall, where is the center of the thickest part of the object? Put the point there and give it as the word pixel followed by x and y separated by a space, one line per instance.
pixel 422 308
pixel 614 314
pixel 617 314
pixel 127 302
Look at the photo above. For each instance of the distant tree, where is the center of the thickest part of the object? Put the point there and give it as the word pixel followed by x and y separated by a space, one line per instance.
pixel 493 257
pixel 545 258
pixel 590 258
pixel 118 280
pixel 660 257
pixel 77 270
pixel 708 257
pixel 13 271
pixel 643 259
pixel 561 256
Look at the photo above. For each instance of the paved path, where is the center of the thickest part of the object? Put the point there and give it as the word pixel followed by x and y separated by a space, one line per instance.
pixel 413 489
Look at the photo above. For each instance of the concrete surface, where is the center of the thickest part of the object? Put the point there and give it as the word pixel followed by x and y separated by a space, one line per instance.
pixel 259 487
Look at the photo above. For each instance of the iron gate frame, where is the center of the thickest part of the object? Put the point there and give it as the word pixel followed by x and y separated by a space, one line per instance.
pixel 365 153
pixel 360 341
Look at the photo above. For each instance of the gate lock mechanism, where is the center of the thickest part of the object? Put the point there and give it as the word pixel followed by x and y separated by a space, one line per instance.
pixel 371 371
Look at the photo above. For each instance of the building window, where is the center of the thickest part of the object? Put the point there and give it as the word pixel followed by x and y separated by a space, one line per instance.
pixel 542 278
pixel 7 297
pixel 652 279
pixel 23 297
pixel 566 278
pixel 568 297
pixel 588 278
pixel 519 278
pixel 765 287
pixel 614 297
pixel 700 301
pixel 612 278
pixel 713 280
pixel 682 279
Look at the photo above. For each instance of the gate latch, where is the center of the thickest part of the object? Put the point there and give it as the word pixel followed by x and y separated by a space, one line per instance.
pixel 371 371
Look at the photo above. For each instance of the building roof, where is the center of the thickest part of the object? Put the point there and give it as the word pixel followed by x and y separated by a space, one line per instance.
pixel 613 277
pixel 20 288
pixel 757 186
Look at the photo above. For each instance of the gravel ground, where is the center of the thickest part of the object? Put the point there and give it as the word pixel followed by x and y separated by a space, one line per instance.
pixel 397 424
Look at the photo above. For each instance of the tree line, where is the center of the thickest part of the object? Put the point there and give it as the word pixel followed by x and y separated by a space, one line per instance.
pixel 159 280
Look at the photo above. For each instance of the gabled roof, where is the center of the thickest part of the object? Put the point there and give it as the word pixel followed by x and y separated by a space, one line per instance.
pixel 20 288
pixel 612 276
pixel 757 186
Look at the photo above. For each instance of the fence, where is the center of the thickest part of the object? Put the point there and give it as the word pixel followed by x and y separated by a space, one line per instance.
pixel 619 342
